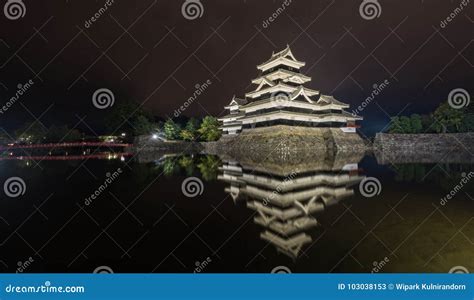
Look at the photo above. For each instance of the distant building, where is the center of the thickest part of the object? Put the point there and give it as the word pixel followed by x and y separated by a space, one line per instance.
pixel 111 138
pixel 281 98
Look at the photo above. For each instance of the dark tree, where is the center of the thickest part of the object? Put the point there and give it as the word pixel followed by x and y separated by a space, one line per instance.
pixel 171 130
pixel 130 118
pixel 209 129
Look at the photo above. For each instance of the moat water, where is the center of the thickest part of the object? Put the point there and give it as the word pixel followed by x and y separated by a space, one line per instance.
pixel 207 214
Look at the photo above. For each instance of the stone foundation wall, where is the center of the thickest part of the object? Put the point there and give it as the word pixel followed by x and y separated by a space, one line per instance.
pixel 349 141
pixel 424 148
pixel 277 142
pixel 284 141
pixel 417 142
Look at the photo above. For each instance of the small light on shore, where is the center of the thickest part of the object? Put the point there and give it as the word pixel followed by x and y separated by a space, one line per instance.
pixel 123 134
pixel 154 136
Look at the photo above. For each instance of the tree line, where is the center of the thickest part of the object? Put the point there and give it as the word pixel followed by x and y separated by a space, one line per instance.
pixel 132 119
pixel 444 119
pixel 124 119
pixel 206 129
pixel 129 117
pixel 34 132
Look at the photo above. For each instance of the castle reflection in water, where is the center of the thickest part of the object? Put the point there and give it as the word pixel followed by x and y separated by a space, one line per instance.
pixel 287 197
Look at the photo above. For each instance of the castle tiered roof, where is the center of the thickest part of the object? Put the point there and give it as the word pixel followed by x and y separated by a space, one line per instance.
pixel 236 102
pixel 280 97
pixel 284 57
pixel 273 88
pixel 284 75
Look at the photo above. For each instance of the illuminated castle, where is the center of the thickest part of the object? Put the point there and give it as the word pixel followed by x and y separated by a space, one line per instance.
pixel 280 98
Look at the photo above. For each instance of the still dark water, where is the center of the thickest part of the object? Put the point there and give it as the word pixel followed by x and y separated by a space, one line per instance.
pixel 245 217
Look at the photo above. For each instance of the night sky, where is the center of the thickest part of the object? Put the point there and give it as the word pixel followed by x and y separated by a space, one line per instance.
pixel 147 52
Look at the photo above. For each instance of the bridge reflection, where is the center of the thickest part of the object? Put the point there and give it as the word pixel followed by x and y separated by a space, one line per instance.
pixel 118 155
pixel 63 145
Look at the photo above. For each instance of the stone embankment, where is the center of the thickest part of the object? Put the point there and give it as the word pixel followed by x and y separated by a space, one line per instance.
pixel 424 148
pixel 285 142
pixel 300 144
pixel 279 143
